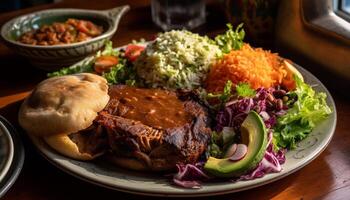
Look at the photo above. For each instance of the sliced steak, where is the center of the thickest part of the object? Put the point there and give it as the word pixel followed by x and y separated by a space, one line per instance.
pixel 154 127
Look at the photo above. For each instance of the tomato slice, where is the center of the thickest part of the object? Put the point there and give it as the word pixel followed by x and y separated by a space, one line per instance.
pixel 105 63
pixel 133 51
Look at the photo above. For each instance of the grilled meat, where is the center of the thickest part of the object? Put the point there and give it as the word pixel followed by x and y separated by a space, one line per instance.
pixel 154 127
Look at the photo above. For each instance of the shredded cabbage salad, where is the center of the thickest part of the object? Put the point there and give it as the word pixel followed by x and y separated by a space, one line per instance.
pixel 288 116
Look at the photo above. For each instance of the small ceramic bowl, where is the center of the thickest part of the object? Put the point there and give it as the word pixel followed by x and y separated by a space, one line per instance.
pixel 54 57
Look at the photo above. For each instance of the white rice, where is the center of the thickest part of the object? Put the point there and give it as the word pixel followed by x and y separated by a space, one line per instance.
pixel 176 59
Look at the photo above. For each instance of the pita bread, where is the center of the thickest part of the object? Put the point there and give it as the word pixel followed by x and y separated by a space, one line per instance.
pixel 64 104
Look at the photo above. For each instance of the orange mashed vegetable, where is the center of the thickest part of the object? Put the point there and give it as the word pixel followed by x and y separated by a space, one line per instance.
pixel 255 66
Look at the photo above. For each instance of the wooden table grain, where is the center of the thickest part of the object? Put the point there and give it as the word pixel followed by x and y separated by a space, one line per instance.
pixel 327 177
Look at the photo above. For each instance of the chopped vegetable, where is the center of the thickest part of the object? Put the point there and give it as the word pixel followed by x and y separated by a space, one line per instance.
pixel 110 63
pixel 221 142
pixel 86 66
pixel 213 147
pixel 133 51
pixel 244 90
pixel 228 134
pixel 231 40
pixel 230 150
pixel 264 103
pixel 240 152
pixel 255 66
pixel 302 116
pixel 108 50
pixel 121 73
pixel 189 175
pixel 271 163
pixel 225 95
pixel 105 63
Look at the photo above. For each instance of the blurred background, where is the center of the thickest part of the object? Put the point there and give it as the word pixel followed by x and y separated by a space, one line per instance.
pixel 8 5
pixel 312 33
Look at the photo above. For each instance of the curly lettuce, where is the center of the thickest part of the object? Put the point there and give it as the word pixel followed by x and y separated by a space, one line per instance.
pixel 309 109
pixel 121 73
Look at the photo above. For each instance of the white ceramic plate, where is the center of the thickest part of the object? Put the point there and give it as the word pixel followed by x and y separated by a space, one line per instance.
pixel 6 151
pixel 14 155
pixel 103 174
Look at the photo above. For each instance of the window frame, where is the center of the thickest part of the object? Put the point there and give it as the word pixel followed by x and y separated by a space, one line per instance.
pixel 338 9
pixel 327 17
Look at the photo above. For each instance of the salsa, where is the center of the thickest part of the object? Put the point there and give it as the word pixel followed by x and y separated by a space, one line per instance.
pixel 70 31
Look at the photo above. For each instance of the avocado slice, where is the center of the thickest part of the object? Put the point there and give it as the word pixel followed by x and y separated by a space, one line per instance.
pixel 254 135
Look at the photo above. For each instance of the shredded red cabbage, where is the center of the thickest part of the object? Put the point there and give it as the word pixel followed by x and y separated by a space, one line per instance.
pixel 236 111
pixel 233 115
pixel 264 103
pixel 271 163
pixel 189 175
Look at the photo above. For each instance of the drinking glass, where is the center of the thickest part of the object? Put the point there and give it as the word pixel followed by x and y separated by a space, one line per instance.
pixel 178 14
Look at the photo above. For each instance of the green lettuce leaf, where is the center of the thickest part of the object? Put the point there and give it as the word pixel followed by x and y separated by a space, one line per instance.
pixel 121 73
pixel 108 50
pixel 86 66
pixel 309 109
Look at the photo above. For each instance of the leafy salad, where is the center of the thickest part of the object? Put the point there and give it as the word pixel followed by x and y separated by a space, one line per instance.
pixel 252 93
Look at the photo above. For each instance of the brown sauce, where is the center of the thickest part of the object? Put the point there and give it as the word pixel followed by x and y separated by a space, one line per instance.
pixel 153 107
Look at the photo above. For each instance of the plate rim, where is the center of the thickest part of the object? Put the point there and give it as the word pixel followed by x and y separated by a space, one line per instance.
pixel 9 158
pixel 17 162
pixel 191 192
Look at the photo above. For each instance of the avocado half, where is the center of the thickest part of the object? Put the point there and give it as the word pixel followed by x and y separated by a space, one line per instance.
pixel 253 131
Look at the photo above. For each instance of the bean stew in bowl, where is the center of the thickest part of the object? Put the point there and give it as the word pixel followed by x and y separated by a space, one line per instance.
pixel 70 31
pixel 56 38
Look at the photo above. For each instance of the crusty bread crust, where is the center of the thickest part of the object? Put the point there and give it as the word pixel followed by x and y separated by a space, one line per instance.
pixel 64 104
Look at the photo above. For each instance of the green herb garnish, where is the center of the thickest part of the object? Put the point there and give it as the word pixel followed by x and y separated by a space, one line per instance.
pixel 244 90
pixel 231 40
pixel 225 95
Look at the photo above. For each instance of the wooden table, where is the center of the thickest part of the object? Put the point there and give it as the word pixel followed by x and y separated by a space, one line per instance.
pixel 327 177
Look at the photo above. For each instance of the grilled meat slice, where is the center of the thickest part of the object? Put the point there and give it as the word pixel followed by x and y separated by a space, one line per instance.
pixel 126 135
pixel 159 146
pixel 92 140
